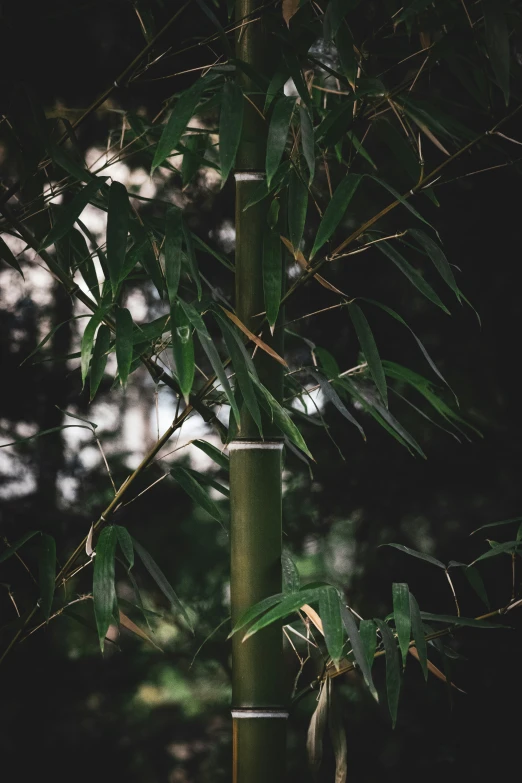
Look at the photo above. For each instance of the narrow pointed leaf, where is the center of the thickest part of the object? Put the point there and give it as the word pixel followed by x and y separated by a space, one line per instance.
pixel 131 626
pixel 124 343
pixel 191 259
pixel 498 549
pixel 82 260
pixel 255 611
pixel 183 349
pixel 401 199
pixel 291 579
pixel 70 213
pixel 369 348
pixel 307 141
pixel 44 432
pixel 17 544
pixel 411 273
pixel 297 206
pixel 438 258
pixel 332 396
pixel 46 573
pixel 477 583
pixel 99 358
pixel 272 275
pixel 277 134
pixel 194 490
pixel 420 555
pixel 316 730
pixel 393 671
pixel 359 649
pixel 7 256
pixel 448 619
pixel 281 418
pixel 88 342
pixel 289 604
pixel 230 126
pixel 401 613
pixel 118 219
pixel 103 590
pixel 497 524
pixel 251 336
pixel 330 613
pixel 173 242
pixel 212 452
pixel 418 635
pixel 160 580
pixel 126 545
pixel 335 211
pixel 497 41
pixel 368 634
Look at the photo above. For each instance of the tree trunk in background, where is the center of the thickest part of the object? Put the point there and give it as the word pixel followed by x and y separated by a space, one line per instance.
pixel 258 689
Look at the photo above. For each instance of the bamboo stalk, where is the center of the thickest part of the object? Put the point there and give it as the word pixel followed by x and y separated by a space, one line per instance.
pixel 258 695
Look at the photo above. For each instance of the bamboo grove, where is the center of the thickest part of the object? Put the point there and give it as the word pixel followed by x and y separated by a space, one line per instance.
pixel 331 120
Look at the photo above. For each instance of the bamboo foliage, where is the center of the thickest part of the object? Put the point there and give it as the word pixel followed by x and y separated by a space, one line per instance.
pixel 340 150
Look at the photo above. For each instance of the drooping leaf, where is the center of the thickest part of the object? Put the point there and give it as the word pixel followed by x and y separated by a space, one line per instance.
pixel 497 524
pixel 118 219
pixel 469 622
pixel 277 134
pixel 440 261
pixel 173 243
pixel 359 648
pixel 297 206
pixel 99 358
pixel 330 613
pixel 411 273
pixel 288 604
pixel 70 213
pixel 338 737
pixel 46 573
pixel 293 67
pixel 281 417
pixel 345 50
pixel 401 199
pixel 418 635
pixel 103 590
pixel 194 490
pixel 88 342
pixel 393 670
pixel 44 432
pixel 368 634
pixel 211 451
pixel 291 579
pixel 191 259
pixel 316 730
pixel 369 349
pixel 126 545
pixel 253 337
pixel 255 611
pixel 401 613
pixel 477 583
pixel 131 626
pixel 124 343
pixel 498 549
pixel 307 141
pixel 230 126
pixel 497 41
pixel 82 260
pixel 420 555
pixel 335 210
pixel 272 274
pixel 17 544
pixel 183 349
pixel 332 396
pixel 7 256
pixel 160 580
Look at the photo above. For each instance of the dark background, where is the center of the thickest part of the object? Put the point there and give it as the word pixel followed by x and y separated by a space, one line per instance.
pixel 68 713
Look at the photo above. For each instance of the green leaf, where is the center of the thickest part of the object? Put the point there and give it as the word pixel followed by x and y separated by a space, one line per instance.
pixel 498 549
pixel 243 367
pixel 43 432
pixel 70 213
pixel 99 358
pixel 173 242
pixel 497 41
pixel 401 199
pixel 46 573
pixel 281 417
pixel 335 210
pixel 126 545
pixel 420 555
pixel 439 259
pixel 194 490
pixel 82 260
pixel 332 396
pixel 497 524
pixel 330 613
pixel 208 481
pixel 230 126
pixel 277 134
pixel 291 579
pixel 212 452
pixel 160 580
pixel 191 258
pixel 118 219
pixel 345 50
pixel 401 613
pixel 449 619
pixel 297 206
pixel 124 343
pixel 181 114
pixel 393 671
pixel 360 647
pixel 255 611
pixel 411 273
pixel 307 141
pixel 7 256
pixel 182 349
pixel 368 634
pixel 272 274
pixel 287 605
pixel 213 356
pixel 474 578
pixel 369 349
pixel 87 343
pixel 103 590
pixel 418 635
pixel 17 544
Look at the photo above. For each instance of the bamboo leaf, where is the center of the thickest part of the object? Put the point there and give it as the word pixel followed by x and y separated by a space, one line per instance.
pixel 289 9
pixel 307 141
pixel 277 134
pixel 191 258
pixel 69 214
pixel 287 605
pixel 345 50
pixel 297 206
pixel 127 623
pixel 420 555
pixel 272 275
pixel 448 619
pixel 254 611
pixel 360 648
pixel 497 524
pixel 230 126
pixel 497 41
pixel 330 613
pixel 294 69
pixel 474 578
pixel 43 432
pixel 411 273
pixel 281 418
pixel 332 396
pixel 83 261
pixel 103 590
pixel 291 579
pixel 251 336
pixel 46 573
pixel 195 491
pixel 17 544
pixel 88 342
pixel 401 199
pixel 182 349
pixel 338 737
pixel 173 242
pixel 7 256
pixel 393 671
pixel 214 454
pixel 335 210
pixel 369 349
pixel 439 259
pixel 368 634
pixel 418 635
pixel 208 481
pixel 124 343
pixel 126 545
pixel 498 549
pixel 160 580
pixel 118 218
pixel 401 613
pixel 314 741
pixel 99 359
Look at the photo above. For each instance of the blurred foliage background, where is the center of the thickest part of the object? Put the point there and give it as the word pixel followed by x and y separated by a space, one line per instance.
pixel 148 715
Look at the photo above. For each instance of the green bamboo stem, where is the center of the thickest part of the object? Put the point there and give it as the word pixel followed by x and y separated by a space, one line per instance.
pixel 258 692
